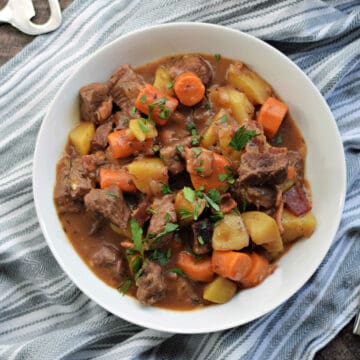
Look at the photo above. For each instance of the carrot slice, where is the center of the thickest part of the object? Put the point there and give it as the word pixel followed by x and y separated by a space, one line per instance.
pixel 290 172
pixel 195 270
pixel 120 178
pixel 230 264
pixel 189 88
pixel 271 115
pixel 221 166
pixel 123 143
pixel 260 269
pixel 158 104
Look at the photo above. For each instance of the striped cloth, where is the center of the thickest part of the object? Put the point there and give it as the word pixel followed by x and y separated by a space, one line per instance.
pixel 42 313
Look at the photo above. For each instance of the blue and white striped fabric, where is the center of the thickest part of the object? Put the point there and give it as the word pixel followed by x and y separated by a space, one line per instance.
pixel 42 313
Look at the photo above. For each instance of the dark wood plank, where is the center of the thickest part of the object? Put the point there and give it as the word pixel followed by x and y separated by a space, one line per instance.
pixel 346 345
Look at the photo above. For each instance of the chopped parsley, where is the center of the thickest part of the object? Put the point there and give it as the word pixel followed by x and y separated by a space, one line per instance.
pixel 243 205
pixel 169 85
pixel 217 57
pixel 199 170
pixel 133 111
pixel 194 141
pixel 155 148
pixel 143 128
pixel 169 228
pixel 124 287
pixel 215 195
pixel 190 126
pixel 143 99
pixel 189 194
pixel 197 152
pixel 167 217
pixel 229 176
pixel 216 216
pixel 180 148
pixel 151 211
pixel 200 240
pixel 160 257
pixel 165 189
pixel 111 194
pixel 136 264
pixel 241 137
pixel 278 139
pixel 177 271
pixel 223 120
pixel 136 235
pixel 207 106
pixel 185 214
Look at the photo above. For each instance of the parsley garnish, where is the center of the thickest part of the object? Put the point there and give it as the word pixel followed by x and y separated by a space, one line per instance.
pixel 196 256
pixel 194 141
pixel 160 257
pixel 190 126
pixel 143 127
pixel 217 57
pixel 223 119
pixel 178 272
pixel 243 205
pixel 151 211
pixel 136 235
pixel 133 111
pixel 278 139
pixel 199 170
pixel 165 189
pixel 136 264
pixel 124 286
pixel 189 194
pixel 207 106
pixel 143 99
pixel 185 214
pixel 169 228
pixel 241 137
pixel 155 148
pixel 229 176
pixel 180 148
pixel 215 195
pixel 200 240
pixel 111 194
pixel 169 85
pixel 197 152
pixel 216 216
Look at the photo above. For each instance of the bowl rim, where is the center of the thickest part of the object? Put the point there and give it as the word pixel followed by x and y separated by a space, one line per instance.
pixel 230 323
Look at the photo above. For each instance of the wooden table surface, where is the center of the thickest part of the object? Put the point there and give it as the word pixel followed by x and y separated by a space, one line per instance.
pixel 345 346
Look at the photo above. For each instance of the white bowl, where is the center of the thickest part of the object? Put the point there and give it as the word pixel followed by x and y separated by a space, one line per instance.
pixel 325 168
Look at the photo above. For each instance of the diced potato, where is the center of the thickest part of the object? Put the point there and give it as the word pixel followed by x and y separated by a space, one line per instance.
pixel 296 227
pixel 225 135
pixel 230 234
pixel 241 107
pixel 142 129
pixel 147 172
pixel 220 290
pixel 80 137
pixel 263 231
pixel 210 136
pixel 185 208
pixel 163 80
pixel 123 232
pixel 255 88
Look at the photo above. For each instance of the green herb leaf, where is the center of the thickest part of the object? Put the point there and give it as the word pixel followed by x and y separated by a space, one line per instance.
pixel 165 189
pixel 213 204
pixel 189 194
pixel 180 148
pixel 143 128
pixel 168 253
pixel 185 214
pixel 136 235
pixel 278 139
pixel 200 240
pixel 136 264
pixel 207 106
pixel 222 177
pixel 169 85
pixel 138 274
pixel 194 141
pixel 124 287
pixel 143 99
pixel 199 170
pixel 133 111
pixel 190 126
pixel 241 137
pixel 243 205
pixel 151 211
pixel 110 194
pixel 177 271
pixel 217 57
pixel 169 228
pixel 223 120
pixel 196 151
pixel 215 195
pixel 216 216
pixel 159 256
pixel 196 256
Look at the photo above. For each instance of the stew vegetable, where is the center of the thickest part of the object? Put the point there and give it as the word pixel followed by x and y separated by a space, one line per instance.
pixel 184 181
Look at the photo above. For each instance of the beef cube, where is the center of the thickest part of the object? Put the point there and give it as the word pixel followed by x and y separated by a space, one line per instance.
pixel 110 203
pixel 297 161
pixel 110 257
pixel 193 63
pixel 297 201
pixel 263 168
pixel 227 203
pixel 95 103
pixel 171 155
pixel 125 85
pixel 100 139
pixel 80 183
pixel 199 161
pixel 151 284
pixel 203 231
pixel 140 213
pixel 121 119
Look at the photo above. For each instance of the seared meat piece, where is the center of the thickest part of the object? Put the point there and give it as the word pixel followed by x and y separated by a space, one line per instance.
pixel 140 213
pixel 296 160
pixel 199 161
pixel 296 200
pixel 263 168
pixel 121 119
pixel 164 213
pixel 80 182
pixel 171 155
pixel 151 284
pixel 203 231
pixel 110 203
pixel 95 102
pixel 125 85
pixel 99 140
pixel 227 203
pixel 110 257
pixel 186 291
pixel 260 196
pixel 194 63
pixel 64 201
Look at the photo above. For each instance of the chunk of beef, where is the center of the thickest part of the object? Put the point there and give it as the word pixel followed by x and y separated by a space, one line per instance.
pixel 172 154
pixel 185 290
pixel 95 102
pixel 227 203
pixel 110 203
pixel 297 161
pixel 110 257
pixel 175 129
pixel 260 196
pixel 199 161
pixel 64 201
pixel 203 231
pixel 151 284
pixel 100 139
pixel 202 113
pixel 80 181
pixel 121 119
pixel 125 85
pixel 141 213
pixel 164 208
pixel 296 200
pixel 194 63
pixel 263 168
pixel 93 161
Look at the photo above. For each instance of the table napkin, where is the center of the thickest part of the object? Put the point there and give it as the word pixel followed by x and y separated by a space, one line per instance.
pixel 43 315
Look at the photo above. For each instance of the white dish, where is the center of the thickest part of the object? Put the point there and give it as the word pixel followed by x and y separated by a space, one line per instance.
pixel 325 169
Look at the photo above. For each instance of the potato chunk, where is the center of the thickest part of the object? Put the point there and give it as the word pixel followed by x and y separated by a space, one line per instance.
pixel 148 173
pixel 241 107
pixel 80 137
pixel 263 231
pixel 255 88
pixel 220 290
pixel 142 129
pixel 296 227
pixel 230 234
pixel 188 211
pixel 163 81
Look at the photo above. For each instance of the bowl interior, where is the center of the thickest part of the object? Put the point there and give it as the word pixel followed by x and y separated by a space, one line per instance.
pixel 325 168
